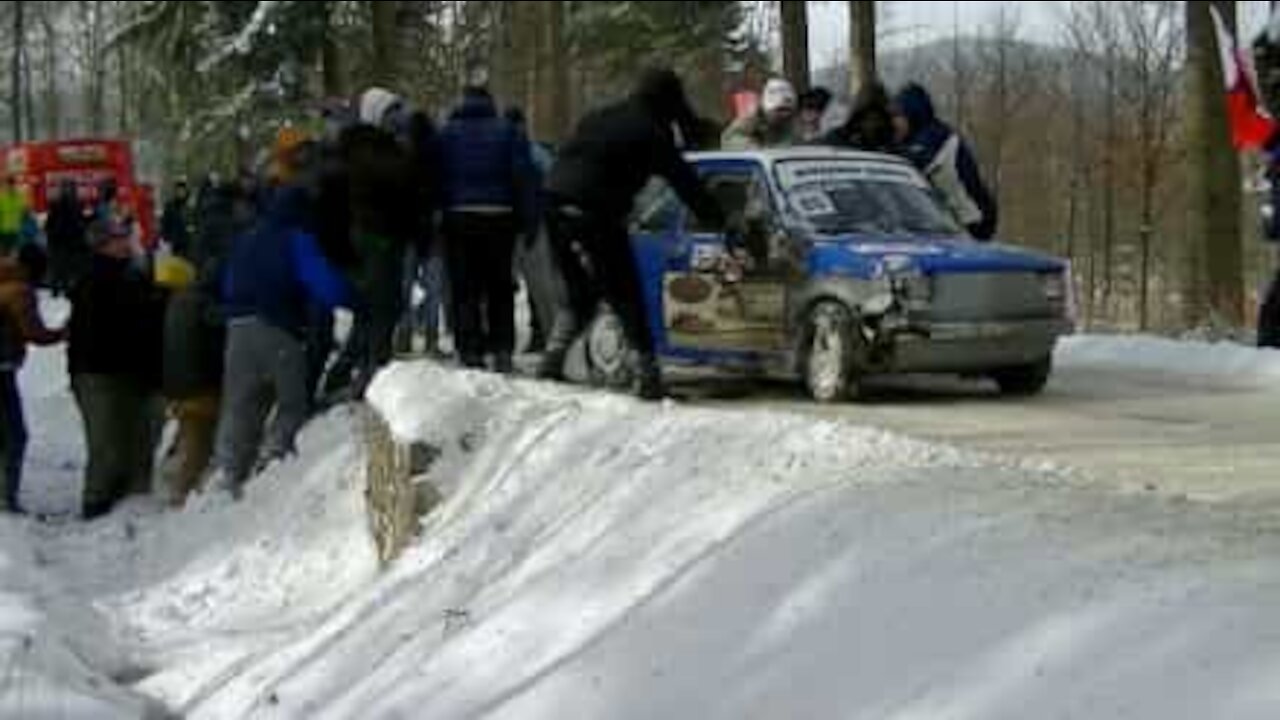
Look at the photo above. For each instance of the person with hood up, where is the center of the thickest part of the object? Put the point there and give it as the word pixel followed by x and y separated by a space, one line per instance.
pixel 272 277
pixel 489 188
pixel 772 125
pixel 115 358
pixel 944 157
pixel 67 231
pixel 20 325
pixel 608 160
pixel 814 104
pixel 194 345
pixel 870 124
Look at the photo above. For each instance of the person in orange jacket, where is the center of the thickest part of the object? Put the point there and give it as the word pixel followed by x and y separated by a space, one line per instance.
pixel 20 325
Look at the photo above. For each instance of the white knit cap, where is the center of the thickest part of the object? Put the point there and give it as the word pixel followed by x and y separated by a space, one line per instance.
pixel 778 95
pixel 375 105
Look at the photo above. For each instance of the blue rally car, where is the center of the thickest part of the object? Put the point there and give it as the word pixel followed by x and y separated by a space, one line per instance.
pixel 835 266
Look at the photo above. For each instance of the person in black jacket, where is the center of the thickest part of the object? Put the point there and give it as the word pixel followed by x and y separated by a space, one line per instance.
pixel 115 357
pixel 870 123
pixel 67 230
pixel 611 155
pixel 175 222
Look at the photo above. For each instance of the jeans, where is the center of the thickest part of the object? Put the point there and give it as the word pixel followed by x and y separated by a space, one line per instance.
pixel 13 438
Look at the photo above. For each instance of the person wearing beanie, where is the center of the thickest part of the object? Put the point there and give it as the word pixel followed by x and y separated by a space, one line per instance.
pixel 195 339
pixel 773 124
pixel 115 358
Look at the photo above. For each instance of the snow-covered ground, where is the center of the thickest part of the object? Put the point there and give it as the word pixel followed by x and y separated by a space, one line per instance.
pixel 600 558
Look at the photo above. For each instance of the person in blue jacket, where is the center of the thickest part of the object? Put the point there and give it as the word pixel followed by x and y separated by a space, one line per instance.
pixel 944 157
pixel 273 277
pixel 489 189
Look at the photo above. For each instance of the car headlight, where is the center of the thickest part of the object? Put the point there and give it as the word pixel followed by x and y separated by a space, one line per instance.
pixel 1054 286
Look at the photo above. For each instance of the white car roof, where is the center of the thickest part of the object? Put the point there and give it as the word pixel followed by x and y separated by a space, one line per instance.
pixel 810 152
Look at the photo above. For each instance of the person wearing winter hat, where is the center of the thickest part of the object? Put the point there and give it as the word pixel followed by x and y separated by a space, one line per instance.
pixel 773 124
pixel 194 347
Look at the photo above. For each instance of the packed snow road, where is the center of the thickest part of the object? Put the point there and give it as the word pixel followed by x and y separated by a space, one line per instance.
pixel 1180 419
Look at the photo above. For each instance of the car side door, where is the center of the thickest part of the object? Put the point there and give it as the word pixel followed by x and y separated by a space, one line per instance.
pixel 719 294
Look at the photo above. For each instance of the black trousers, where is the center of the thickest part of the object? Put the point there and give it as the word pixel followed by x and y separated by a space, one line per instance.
pixel 1269 316
pixel 480 248
pixel 595 257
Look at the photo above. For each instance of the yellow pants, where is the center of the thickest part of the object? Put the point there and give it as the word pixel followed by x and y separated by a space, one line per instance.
pixel 192 452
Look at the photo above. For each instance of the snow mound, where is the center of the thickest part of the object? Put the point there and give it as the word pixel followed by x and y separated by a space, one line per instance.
pixel 193 596
pixel 1226 361
pixel 57 659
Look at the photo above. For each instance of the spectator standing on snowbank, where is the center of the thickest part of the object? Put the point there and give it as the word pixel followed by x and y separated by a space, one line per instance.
pixel 115 360
pixel 20 325
pixel 273 276
pixel 194 346
pixel 489 186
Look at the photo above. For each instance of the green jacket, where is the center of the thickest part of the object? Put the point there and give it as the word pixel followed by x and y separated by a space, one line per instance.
pixel 13 209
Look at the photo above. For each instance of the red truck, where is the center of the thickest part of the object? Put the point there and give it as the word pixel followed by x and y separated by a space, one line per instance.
pixel 38 168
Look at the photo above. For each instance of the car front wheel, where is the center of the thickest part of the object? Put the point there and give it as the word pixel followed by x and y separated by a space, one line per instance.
pixel 830 369
pixel 1024 380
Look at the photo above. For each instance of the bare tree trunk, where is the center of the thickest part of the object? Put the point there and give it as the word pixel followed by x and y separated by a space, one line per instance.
pixel 384 42
pixel 1216 293
pixel 28 90
pixel 331 56
pixel 795 43
pixel 15 69
pixel 557 75
pixel 862 43
pixel 1110 123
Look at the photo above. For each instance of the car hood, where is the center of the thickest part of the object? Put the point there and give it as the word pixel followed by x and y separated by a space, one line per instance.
pixel 862 255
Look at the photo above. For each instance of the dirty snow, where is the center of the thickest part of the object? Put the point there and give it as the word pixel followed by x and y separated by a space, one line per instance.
pixel 1225 361
pixel 600 558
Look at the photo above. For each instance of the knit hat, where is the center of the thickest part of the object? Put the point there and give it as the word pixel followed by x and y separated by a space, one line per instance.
pixel 174 273
pixel 377 104
pixel 778 95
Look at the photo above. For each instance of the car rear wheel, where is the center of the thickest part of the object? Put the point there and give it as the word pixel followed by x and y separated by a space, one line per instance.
pixel 1024 380
pixel 830 351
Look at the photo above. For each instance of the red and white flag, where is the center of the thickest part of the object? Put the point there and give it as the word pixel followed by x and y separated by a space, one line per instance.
pixel 1251 125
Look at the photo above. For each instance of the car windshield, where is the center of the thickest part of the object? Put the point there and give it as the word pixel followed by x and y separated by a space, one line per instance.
pixel 839 196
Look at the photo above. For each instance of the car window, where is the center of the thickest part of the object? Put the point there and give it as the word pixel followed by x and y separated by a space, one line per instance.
pixel 837 196
pixel 655 208
pixel 743 197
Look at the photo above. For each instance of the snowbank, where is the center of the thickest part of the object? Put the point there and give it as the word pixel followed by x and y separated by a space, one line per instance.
pixel 193 597
pixel 598 558
pixel 57 658
pixel 1225 361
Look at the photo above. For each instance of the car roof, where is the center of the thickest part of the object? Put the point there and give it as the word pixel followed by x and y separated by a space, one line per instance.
pixel 803 152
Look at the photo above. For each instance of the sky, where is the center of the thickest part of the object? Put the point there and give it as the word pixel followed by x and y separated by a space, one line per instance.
pixel 912 23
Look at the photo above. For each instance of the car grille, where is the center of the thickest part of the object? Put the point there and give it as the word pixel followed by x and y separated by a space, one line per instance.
pixel 974 297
